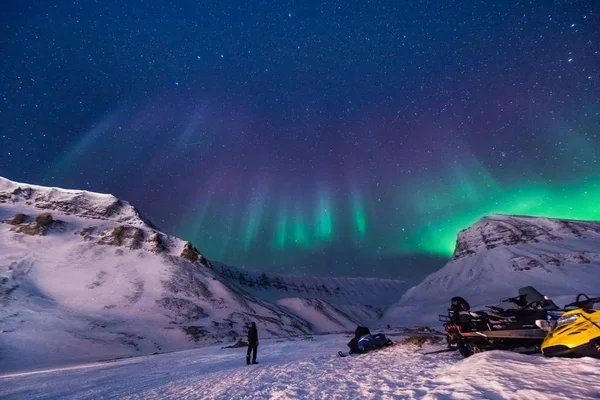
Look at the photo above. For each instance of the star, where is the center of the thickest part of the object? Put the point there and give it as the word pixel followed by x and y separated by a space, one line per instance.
pixel 394 132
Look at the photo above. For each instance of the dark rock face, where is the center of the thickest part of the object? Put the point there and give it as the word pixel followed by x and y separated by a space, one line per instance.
pixel 135 236
pixel 124 236
pixel 157 244
pixel 32 228
pixel 16 220
pixel 44 219
pixel 87 233
pixel 550 260
pixel 496 231
pixel 24 193
pixel 190 253
pixel 114 238
pixel 196 332
pixel 182 310
pixel 42 224
pixel 524 264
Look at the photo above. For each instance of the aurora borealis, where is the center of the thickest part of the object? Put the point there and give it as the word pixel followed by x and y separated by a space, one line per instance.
pixel 343 138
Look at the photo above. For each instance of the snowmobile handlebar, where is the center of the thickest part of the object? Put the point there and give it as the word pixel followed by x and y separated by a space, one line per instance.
pixel 588 302
pixel 519 300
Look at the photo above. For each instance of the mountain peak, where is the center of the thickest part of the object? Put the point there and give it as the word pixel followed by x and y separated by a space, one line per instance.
pixel 79 203
pixel 506 230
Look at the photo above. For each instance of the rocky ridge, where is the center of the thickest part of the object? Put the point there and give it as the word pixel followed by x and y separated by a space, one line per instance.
pixel 508 230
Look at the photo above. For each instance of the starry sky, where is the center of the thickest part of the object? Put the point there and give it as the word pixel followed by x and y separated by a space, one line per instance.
pixel 336 138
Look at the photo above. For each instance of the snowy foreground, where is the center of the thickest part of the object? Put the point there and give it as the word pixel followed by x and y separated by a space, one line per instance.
pixel 308 368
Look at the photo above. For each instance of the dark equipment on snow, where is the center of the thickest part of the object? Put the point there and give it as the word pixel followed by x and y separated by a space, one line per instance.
pixel 509 326
pixel 363 341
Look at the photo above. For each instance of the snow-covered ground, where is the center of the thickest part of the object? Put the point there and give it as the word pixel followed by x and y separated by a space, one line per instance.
pixel 308 368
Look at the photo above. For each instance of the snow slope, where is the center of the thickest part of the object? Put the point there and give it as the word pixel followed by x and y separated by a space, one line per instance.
pixel 83 276
pixel 307 368
pixel 360 300
pixel 327 319
pixel 501 253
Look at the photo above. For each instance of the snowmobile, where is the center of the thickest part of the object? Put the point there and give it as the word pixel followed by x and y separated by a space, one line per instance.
pixel 509 326
pixel 577 332
pixel 363 341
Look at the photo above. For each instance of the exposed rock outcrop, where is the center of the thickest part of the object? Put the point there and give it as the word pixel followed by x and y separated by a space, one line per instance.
pixel 44 219
pixel 157 244
pixel 16 220
pixel 42 224
pixel 190 253
pixel 129 236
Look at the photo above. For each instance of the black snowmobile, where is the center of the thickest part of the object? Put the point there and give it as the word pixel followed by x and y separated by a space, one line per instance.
pixel 509 326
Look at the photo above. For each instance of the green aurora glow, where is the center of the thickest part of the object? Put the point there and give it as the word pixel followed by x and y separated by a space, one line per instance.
pixel 436 218
pixel 579 201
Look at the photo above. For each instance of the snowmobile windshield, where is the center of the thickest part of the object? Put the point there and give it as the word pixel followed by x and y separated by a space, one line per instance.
pixel 506 304
pixel 533 296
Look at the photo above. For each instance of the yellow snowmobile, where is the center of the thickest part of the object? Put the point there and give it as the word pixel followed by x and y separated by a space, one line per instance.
pixel 577 332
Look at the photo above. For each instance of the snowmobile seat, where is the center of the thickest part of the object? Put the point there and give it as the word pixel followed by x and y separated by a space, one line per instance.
pixel 459 310
pixel 476 315
pixel 361 331
pixel 372 342
pixel 457 303
pixel 467 316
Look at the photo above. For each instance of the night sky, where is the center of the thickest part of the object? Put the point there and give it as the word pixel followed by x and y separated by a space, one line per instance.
pixel 334 138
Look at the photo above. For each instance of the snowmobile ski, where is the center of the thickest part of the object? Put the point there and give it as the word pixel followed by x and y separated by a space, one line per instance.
pixel 342 354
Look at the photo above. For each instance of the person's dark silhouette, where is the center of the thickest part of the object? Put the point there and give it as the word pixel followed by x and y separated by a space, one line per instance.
pixel 252 344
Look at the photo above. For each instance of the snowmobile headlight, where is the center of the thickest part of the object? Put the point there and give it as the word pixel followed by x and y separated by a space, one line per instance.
pixel 566 320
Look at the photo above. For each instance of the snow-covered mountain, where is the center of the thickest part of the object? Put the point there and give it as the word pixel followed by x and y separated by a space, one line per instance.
pixel 499 254
pixel 343 301
pixel 84 276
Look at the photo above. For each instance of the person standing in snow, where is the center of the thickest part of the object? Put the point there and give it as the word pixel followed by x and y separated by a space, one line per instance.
pixel 252 344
